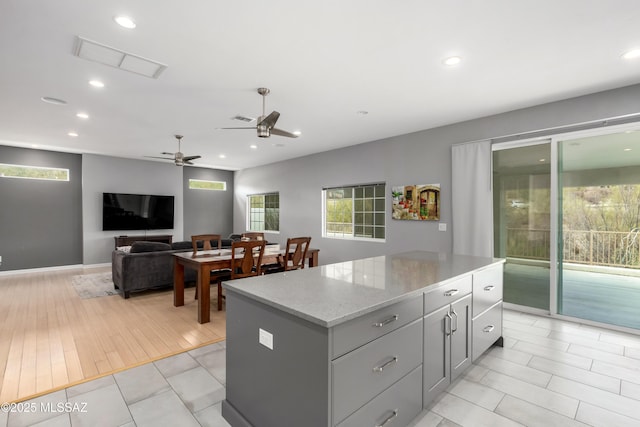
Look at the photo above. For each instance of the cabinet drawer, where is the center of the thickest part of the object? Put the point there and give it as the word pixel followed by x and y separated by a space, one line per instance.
pixel 353 334
pixel 487 328
pixel 487 289
pixel 447 293
pixel 362 374
pixel 399 404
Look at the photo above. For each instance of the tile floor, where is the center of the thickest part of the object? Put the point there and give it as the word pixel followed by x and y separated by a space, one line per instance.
pixel 549 373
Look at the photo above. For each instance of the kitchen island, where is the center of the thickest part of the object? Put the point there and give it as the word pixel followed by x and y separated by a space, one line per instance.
pixel 364 342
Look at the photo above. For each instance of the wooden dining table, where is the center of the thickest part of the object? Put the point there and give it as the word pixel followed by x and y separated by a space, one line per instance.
pixel 206 261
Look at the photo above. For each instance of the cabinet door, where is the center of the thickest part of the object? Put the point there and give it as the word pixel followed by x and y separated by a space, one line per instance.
pixel 437 360
pixel 460 336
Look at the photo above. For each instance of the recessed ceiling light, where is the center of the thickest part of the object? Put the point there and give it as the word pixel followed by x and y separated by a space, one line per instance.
pixel 222 156
pixel 627 149
pixel 96 83
pixel 125 21
pixel 55 101
pixel 82 115
pixel 253 146
pixel 362 112
pixel 297 133
pixel 74 134
pixel 631 54
pixel 452 60
pixel 542 160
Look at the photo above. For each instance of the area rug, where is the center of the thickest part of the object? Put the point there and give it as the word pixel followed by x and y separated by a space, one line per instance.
pixel 93 285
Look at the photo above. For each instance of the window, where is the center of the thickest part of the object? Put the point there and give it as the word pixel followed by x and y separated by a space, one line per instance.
pixel 202 184
pixel 354 212
pixel 33 172
pixel 264 212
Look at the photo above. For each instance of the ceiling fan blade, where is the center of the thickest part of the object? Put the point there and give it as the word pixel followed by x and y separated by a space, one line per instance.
pixel 280 132
pixel 168 154
pixel 163 158
pixel 189 158
pixel 187 163
pixel 254 128
pixel 270 120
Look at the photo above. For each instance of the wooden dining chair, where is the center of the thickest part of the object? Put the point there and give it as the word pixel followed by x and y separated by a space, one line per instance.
pixel 294 256
pixel 253 235
pixel 246 261
pixel 203 242
pixel 206 240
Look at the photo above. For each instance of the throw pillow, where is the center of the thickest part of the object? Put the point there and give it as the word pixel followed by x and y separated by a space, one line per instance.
pixel 138 247
pixel 181 245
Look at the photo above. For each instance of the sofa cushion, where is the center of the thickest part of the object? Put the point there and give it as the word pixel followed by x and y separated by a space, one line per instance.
pixel 181 245
pixel 142 246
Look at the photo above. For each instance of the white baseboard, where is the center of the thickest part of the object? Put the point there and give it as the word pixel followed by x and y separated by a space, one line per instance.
pixel 48 269
pixel 104 264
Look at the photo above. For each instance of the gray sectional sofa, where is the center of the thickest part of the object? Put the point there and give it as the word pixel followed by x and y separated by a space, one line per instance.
pixel 149 265
pixel 146 265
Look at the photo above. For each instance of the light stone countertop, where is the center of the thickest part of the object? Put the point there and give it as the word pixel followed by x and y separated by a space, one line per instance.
pixel 332 294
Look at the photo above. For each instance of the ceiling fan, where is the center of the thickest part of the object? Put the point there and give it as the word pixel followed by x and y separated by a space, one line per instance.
pixel 178 157
pixel 265 124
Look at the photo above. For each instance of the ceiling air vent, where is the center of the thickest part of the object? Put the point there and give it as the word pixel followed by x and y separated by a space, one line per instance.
pixel 97 52
pixel 243 118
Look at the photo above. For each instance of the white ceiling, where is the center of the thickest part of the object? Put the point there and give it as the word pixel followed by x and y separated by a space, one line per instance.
pixel 323 61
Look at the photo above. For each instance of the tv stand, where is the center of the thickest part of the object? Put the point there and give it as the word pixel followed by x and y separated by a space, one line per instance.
pixel 128 240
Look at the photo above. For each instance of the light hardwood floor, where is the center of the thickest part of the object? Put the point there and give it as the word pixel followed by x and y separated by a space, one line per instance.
pixel 51 338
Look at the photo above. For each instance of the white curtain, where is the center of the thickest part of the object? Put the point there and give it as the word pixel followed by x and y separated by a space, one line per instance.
pixel 472 204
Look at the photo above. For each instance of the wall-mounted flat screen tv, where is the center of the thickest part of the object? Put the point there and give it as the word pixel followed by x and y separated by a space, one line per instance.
pixel 136 211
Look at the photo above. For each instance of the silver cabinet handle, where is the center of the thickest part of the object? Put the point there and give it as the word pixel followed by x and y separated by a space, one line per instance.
pixel 451 292
pixel 386 321
pixel 454 329
pixel 389 418
pixel 489 288
pixel 447 325
pixel 488 328
pixel 380 368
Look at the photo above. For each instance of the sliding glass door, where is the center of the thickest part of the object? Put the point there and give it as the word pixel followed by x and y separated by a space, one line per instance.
pixel 521 206
pixel 567 221
pixel 599 237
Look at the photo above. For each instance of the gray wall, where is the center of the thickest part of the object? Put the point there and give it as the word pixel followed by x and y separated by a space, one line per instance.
pixel 208 211
pixel 116 175
pixel 40 221
pixel 418 158
pixel 196 211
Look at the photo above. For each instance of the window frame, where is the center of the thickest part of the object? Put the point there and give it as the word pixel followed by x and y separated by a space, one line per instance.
pixel 37 168
pixel 207 181
pixel 249 219
pixel 374 212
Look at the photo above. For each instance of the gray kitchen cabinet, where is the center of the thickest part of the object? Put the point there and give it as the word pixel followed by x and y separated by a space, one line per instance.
pixel 487 309
pixel 363 374
pixel 318 347
pixel 446 346
pixel 396 406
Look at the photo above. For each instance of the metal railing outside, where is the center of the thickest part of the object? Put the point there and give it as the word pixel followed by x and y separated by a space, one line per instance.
pixel 591 247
